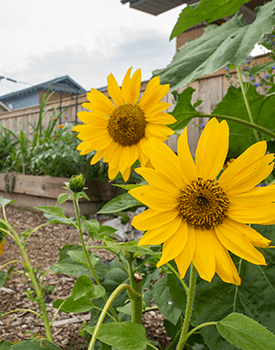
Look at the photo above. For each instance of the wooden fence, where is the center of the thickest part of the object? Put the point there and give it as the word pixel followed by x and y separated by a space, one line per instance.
pixel 210 89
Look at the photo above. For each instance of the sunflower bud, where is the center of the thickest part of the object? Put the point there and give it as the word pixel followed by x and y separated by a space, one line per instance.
pixel 76 183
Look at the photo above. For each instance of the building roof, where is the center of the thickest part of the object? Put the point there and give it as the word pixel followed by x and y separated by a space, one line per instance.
pixel 64 84
pixel 156 7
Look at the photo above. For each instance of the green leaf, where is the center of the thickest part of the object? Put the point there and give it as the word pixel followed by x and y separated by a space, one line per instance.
pixel 51 210
pixel 104 231
pixel 184 111
pixel 5 345
pixel 4 201
pixel 126 309
pixel 92 226
pixel 62 198
pixel 2 278
pixel 246 333
pixel 54 219
pixel 218 47
pixel 253 298
pixel 128 187
pixel 121 202
pixel 127 247
pixel 84 287
pixel 122 335
pixel 83 304
pixel 165 302
pixel 71 267
pixel 80 257
pixel 205 10
pixel 35 344
pixel 262 109
pixel 261 68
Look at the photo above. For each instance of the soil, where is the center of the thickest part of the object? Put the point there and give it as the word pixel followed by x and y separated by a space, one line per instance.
pixel 43 251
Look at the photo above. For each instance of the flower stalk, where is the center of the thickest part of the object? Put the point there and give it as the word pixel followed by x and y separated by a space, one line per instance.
pixel 188 312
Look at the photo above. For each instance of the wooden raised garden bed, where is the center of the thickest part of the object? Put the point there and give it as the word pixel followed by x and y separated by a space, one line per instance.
pixel 32 191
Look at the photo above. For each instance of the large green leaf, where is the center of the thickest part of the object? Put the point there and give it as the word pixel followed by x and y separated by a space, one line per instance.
pixel 219 46
pixel 84 287
pixel 35 344
pixel 164 300
pixel 262 109
pixel 72 261
pixel 5 345
pixel 245 333
pixel 80 305
pixel 4 201
pixel 184 111
pixel 121 202
pixel 205 10
pixel 127 247
pixel 122 335
pixel 253 298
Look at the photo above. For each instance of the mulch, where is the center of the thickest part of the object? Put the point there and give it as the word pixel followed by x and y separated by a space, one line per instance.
pixel 43 251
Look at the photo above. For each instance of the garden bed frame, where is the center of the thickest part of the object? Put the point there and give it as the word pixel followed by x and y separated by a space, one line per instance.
pixel 33 191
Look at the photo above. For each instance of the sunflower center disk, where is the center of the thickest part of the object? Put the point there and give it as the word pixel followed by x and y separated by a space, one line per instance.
pixel 127 125
pixel 203 204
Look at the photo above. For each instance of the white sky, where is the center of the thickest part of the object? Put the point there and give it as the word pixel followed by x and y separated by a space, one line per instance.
pixel 85 39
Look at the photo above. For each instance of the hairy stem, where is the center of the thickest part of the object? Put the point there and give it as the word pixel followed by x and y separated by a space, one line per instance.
pixel 189 306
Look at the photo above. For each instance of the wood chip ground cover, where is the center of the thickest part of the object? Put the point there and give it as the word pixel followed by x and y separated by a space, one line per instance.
pixel 43 251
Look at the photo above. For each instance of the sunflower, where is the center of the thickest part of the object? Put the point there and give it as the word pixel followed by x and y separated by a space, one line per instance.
pixel 117 130
pixel 2 244
pixel 198 218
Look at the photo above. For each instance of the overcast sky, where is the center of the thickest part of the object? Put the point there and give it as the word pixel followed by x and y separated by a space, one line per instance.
pixel 85 39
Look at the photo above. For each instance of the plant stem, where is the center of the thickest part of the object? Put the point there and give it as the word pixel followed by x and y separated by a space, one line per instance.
pixel 136 284
pixel 201 326
pixel 246 103
pixel 75 200
pixel 189 306
pixel 38 291
pixel 119 289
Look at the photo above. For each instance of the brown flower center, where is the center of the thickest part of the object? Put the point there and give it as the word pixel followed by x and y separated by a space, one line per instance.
pixel 203 204
pixel 127 125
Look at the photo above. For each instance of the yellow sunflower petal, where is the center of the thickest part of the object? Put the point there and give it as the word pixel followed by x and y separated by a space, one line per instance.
pixel 164 160
pixel 135 87
pixel 150 219
pixel 253 236
pixel 212 149
pixel 230 237
pixel 100 102
pixel 126 174
pixel 154 198
pixel 204 256
pixel 112 172
pixel 95 110
pixel 143 159
pixel 160 131
pixel 157 179
pixel 114 90
pixel 97 157
pixel 159 235
pixel 126 87
pixel 187 165
pixel 248 215
pixel 225 267
pixel 124 161
pixel 250 176
pixel 161 118
pixel 174 245
pixel 146 99
pixel 155 109
pixel 184 259
pixel 235 169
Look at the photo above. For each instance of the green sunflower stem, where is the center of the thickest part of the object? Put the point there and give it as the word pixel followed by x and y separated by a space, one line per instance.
pixel 188 312
pixel 136 299
pixel 257 137
pixel 115 293
pixel 75 200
